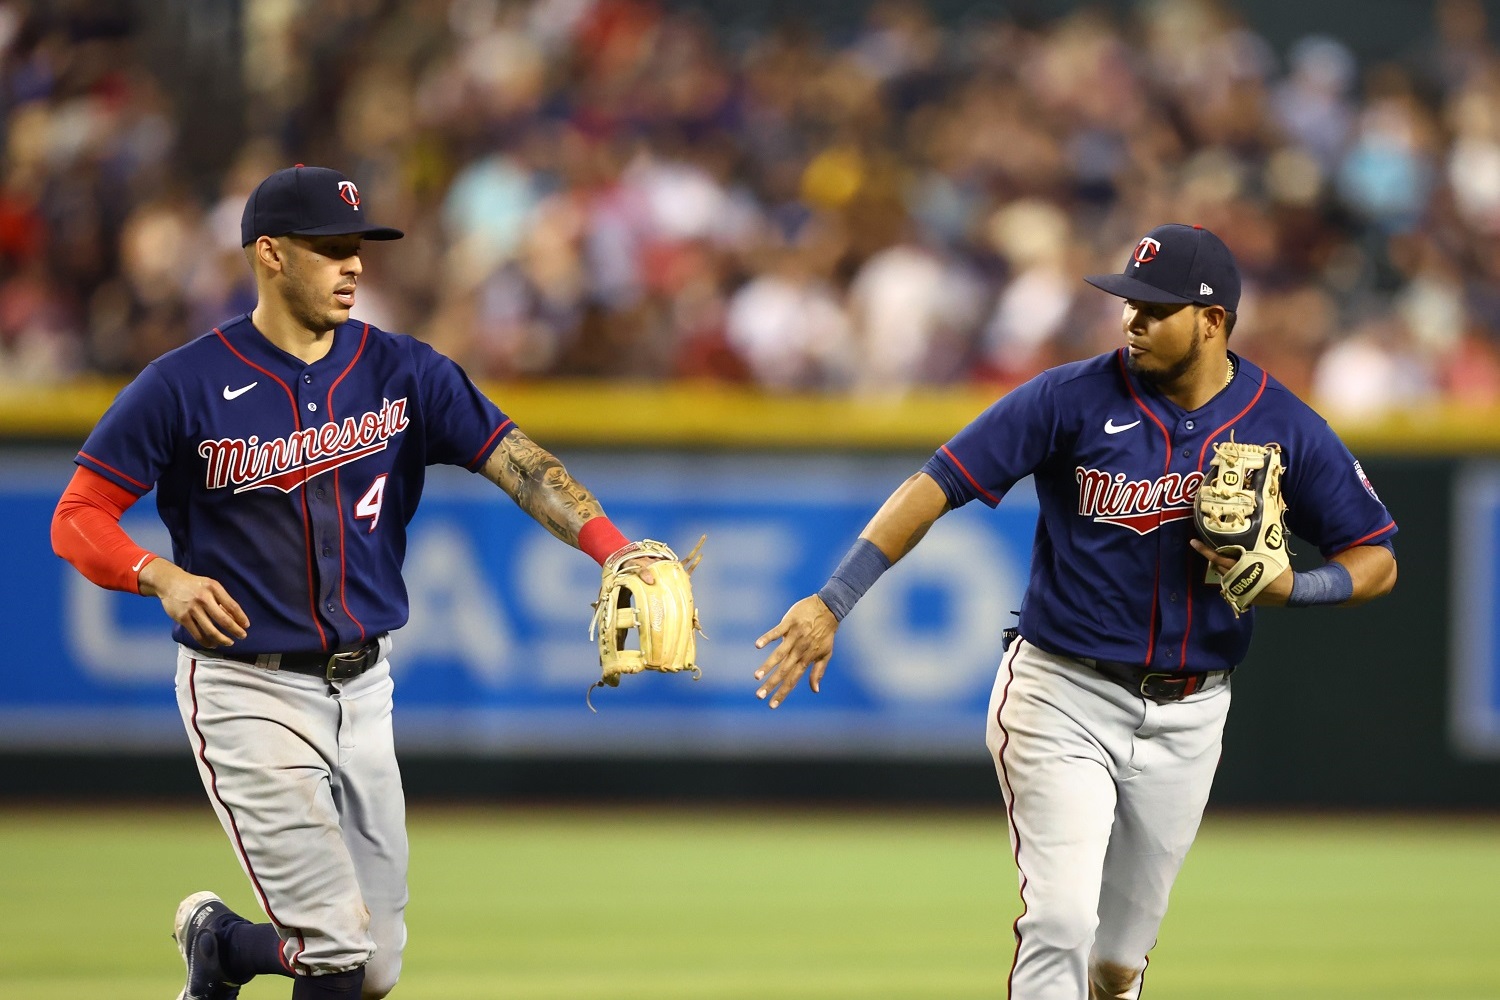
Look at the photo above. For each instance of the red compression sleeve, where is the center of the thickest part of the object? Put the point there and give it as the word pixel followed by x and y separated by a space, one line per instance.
pixel 601 539
pixel 86 532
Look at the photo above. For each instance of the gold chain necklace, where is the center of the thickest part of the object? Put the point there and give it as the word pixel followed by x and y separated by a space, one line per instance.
pixel 1230 377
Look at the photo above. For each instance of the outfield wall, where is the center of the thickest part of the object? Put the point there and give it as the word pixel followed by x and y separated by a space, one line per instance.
pixel 1393 704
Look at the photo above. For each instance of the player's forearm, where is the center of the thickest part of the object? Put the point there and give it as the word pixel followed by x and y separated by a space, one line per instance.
pixel 893 532
pixel 1372 569
pixel 86 532
pixel 540 486
pixel 906 516
pixel 158 577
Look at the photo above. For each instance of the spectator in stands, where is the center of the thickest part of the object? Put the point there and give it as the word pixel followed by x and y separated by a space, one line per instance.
pixel 615 188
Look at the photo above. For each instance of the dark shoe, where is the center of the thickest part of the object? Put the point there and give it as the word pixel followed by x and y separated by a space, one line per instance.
pixel 193 930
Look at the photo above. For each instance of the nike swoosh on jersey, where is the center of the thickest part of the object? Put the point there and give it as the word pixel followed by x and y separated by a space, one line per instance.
pixel 137 567
pixel 236 393
pixel 1110 427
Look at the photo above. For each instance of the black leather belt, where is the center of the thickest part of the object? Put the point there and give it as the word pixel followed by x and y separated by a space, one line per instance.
pixel 1159 686
pixel 337 666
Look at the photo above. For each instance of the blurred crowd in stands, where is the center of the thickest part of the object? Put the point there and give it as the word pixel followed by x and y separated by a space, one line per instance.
pixel 625 189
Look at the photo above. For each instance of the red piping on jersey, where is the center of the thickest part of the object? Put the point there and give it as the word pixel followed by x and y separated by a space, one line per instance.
pixel 508 423
pixel 1233 420
pixel 1166 468
pixel 972 481
pixel 1010 813
pixel 1361 541
pixel 1120 358
pixel 111 468
pixel 234 826
pixel 338 501
pixel 1187 599
pixel 1202 452
pixel 312 597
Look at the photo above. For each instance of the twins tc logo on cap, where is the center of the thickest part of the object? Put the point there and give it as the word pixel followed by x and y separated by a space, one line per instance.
pixel 1188 264
pixel 308 201
pixel 1146 250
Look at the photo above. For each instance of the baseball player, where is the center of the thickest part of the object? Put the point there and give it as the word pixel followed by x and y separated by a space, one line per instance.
pixel 1109 704
pixel 288 449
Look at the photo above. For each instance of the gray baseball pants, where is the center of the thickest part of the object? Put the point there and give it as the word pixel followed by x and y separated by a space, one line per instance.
pixel 302 774
pixel 1104 790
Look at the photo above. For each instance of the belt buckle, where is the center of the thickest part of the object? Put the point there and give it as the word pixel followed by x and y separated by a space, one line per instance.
pixel 342 666
pixel 1174 694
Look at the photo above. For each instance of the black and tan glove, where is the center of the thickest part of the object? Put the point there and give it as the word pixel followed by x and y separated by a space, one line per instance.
pixel 662 613
pixel 1239 511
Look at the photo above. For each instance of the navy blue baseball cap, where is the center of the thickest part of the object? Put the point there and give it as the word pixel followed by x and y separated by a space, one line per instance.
pixel 308 201
pixel 1176 263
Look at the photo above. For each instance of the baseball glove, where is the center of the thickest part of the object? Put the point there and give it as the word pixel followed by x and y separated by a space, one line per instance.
pixel 1239 511
pixel 662 612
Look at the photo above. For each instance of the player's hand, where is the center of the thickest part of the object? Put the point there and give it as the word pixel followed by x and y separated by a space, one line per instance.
pixel 197 603
pixel 647 577
pixel 1276 592
pixel 806 633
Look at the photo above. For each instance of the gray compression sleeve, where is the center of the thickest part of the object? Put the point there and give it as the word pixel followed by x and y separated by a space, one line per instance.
pixel 1328 584
pixel 857 572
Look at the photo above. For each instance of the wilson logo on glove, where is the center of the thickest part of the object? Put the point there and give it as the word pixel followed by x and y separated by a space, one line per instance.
pixel 1239 511
pixel 1250 578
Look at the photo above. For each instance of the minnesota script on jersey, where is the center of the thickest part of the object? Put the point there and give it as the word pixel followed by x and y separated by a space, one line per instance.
pixel 299 479
pixel 1117 465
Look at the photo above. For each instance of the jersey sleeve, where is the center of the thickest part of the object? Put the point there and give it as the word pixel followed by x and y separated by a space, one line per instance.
pixel 1000 447
pixel 133 442
pixel 462 425
pixel 1330 501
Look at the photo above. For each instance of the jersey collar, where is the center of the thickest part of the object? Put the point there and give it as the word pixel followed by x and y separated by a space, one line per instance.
pixel 1246 382
pixel 242 333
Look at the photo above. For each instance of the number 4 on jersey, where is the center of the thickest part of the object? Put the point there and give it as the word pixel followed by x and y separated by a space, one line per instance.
pixel 369 504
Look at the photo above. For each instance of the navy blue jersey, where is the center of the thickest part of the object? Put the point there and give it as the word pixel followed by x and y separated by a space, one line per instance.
pixel 291 483
pixel 1117 466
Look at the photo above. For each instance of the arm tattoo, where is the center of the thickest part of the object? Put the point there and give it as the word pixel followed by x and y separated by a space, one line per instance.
pixel 541 487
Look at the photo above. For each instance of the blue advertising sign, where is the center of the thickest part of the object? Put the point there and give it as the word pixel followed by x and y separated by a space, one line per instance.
pixel 1474 709
pixel 496 657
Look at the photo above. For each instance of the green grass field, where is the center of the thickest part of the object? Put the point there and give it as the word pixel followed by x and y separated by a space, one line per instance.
pixel 575 904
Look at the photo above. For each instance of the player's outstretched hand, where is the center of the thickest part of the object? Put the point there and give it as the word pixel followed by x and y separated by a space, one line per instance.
pixel 806 634
pixel 197 603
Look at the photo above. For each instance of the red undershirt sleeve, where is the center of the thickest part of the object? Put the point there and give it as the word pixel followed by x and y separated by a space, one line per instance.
pixel 601 539
pixel 86 532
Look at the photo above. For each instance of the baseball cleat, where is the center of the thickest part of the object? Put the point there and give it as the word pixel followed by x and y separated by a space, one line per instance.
pixel 193 931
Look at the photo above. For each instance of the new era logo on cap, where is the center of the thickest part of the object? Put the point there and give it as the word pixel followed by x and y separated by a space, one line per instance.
pixel 308 201
pixel 1177 264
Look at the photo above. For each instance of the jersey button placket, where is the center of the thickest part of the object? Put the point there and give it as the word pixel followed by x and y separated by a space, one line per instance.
pixel 1171 557
pixel 324 516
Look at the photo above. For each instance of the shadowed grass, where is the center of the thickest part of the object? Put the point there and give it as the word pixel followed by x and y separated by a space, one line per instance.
pixel 577 904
